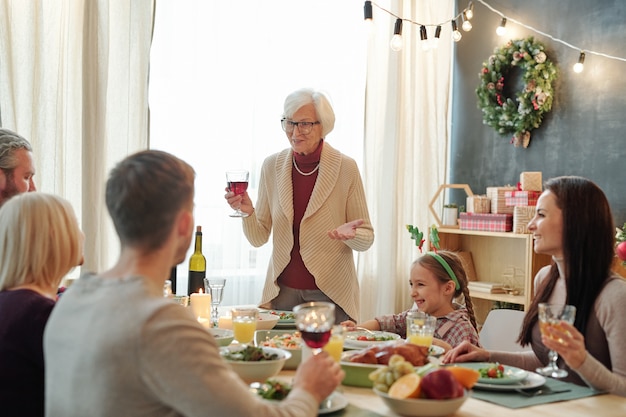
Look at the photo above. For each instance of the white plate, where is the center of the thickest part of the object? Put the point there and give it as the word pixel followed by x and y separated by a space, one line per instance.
pixel 351 342
pixel 531 380
pixel 337 402
pixel 290 321
pixel 436 351
pixel 512 375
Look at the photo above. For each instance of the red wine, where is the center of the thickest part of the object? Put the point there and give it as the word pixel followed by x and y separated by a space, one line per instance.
pixel 238 187
pixel 315 339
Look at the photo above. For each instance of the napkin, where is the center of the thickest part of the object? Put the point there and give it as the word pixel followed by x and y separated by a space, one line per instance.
pixel 512 399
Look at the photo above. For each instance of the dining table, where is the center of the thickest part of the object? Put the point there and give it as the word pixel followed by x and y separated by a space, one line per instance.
pixel 363 402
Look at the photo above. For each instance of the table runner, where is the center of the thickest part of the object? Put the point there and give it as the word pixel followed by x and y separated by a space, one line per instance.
pixel 512 399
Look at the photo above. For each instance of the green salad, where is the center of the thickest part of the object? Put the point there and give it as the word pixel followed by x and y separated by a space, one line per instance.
pixel 274 390
pixel 250 354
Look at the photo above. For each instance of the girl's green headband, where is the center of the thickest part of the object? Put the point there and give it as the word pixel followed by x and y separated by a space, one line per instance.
pixel 447 268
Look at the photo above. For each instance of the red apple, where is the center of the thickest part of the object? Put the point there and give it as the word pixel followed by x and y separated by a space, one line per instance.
pixel 441 385
pixel 621 251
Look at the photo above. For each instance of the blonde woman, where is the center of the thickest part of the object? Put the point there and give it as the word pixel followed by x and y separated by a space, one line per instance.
pixel 40 242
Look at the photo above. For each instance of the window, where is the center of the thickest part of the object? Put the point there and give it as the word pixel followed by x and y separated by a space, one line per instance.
pixel 219 73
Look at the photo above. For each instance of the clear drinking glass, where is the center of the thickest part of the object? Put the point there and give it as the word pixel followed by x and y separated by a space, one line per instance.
pixel 315 320
pixel 215 287
pixel 244 324
pixel 551 315
pixel 237 183
pixel 420 328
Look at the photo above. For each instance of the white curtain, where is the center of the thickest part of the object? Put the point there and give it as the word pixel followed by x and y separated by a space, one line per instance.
pixel 406 143
pixel 219 73
pixel 73 80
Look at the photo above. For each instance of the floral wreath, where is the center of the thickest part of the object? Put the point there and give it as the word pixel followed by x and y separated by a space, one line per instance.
pixel 517 117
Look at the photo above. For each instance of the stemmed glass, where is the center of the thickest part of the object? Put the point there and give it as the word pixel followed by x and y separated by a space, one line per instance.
pixel 551 315
pixel 244 324
pixel 237 183
pixel 215 287
pixel 315 320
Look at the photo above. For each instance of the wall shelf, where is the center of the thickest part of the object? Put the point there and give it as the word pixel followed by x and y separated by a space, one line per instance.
pixel 498 257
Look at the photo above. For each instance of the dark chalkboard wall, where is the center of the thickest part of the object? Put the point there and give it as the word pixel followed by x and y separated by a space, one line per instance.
pixel 584 134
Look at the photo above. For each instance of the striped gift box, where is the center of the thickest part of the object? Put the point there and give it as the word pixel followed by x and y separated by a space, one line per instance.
pixel 478 204
pixel 487 222
pixel 522 215
pixel 521 198
pixel 498 200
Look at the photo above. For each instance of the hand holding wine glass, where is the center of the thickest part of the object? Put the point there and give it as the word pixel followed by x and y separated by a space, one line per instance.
pixel 551 315
pixel 315 321
pixel 237 181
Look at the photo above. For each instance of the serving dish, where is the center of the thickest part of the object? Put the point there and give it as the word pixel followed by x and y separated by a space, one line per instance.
pixel 282 339
pixel 371 338
pixel 223 337
pixel 422 407
pixel 256 371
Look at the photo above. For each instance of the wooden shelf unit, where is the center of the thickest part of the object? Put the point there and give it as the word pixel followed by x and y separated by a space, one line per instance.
pixel 498 257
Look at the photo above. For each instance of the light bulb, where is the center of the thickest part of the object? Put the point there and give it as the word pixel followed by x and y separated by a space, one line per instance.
pixel 424 38
pixel 579 66
pixel 396 40
pixel 396 43
pixel 501 30
pixel 469 12
pixel 456 35
pixel 367 10
pixel 467 26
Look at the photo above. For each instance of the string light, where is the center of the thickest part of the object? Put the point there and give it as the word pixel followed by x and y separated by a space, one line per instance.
pixel 367 10
pixel 424 38
pixel 467 14
pixel 579 66
pixel 467 25
pixel 501 30
pixel 435 43
pixel 456 35
pixel 396 40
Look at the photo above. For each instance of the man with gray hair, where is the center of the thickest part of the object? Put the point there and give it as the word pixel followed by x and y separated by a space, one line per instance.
pixel 16 165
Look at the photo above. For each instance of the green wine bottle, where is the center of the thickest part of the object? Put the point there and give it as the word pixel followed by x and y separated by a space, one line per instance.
pixel 197 266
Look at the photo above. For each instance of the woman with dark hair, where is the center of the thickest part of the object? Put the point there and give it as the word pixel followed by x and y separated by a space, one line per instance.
pixel 574 225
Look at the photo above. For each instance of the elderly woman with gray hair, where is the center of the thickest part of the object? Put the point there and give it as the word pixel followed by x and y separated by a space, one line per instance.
pixel 312 201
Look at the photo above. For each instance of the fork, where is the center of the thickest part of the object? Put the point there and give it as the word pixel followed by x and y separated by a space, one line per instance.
pixel 363 328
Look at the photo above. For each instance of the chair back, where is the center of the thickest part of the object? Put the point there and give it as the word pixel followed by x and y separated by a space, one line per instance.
pixel 501 330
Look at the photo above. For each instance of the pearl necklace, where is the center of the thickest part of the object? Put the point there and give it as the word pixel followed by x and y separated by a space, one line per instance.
pixel 293 158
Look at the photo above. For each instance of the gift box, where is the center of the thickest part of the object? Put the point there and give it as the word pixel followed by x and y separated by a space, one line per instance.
pixel 488 222
pixel 478 204
pixel 498 201
pixel 530 181
pixel 522 215
pixel 521 198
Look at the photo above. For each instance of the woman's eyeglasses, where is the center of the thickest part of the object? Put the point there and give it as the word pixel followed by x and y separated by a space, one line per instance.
pixel 303 127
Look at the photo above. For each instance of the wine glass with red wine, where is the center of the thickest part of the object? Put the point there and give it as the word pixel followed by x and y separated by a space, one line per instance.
pixel 315 321
pixel 238 184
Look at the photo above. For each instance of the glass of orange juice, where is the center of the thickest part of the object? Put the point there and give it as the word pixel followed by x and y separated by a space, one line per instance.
pixel 334 347
pixel 244 324
pixel 420 328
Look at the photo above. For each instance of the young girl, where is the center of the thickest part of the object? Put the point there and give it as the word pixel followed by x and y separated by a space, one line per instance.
pixel 437 279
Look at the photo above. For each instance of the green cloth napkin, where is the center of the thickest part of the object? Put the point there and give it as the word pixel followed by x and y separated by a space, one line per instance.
pixel 512 399
pixel 354 411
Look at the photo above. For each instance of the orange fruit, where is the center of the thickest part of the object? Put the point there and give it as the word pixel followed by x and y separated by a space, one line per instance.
pixel 466 376
pixel 407 386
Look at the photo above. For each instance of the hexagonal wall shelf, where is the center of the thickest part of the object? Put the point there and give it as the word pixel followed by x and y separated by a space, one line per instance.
pixel 442 187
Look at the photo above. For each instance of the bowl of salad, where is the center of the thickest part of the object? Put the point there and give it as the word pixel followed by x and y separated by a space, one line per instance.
pixel 288 340
pixel 255 364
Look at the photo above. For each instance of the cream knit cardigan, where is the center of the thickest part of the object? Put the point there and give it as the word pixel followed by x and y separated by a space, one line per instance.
pixel 338 197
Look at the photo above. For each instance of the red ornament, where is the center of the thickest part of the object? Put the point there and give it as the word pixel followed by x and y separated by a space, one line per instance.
pixel 621 251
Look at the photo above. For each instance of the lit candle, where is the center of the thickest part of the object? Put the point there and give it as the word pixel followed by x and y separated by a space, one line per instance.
pixel 201 304
pixel 225 322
